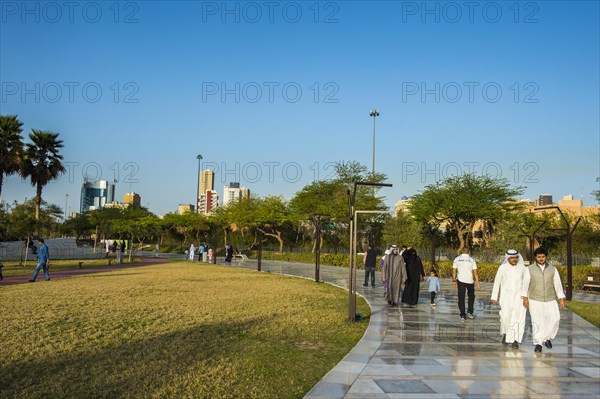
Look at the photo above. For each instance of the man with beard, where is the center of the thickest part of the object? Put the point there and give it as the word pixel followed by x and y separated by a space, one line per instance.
pixel 507 283
pixel 395 274
pixel 541 287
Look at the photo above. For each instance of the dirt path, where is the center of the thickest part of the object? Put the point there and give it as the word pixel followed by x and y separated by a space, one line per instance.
pixel 10 280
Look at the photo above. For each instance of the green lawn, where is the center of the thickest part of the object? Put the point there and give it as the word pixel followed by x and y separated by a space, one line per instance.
pixel 172 330
pixel 12 268
pixel 589 311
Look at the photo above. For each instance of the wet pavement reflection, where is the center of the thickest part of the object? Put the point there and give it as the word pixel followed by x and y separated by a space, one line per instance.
pixel 428 352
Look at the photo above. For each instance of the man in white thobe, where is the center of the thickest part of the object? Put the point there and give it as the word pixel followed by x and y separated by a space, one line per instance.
pixel 192 252
pixel 541 287
pixel 508 283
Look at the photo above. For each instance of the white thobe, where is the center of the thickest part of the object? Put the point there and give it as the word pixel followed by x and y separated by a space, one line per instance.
pixel 508 283
pixel 545 316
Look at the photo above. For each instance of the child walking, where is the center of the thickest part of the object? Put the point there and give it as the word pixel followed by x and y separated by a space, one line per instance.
pixel 434 286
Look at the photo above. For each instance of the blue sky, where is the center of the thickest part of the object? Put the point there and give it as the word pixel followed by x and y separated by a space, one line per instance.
pixel 273 96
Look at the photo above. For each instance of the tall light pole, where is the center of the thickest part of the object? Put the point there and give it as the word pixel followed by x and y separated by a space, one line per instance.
pixel 199 158
pixel 66 202
pixel 353 220
pixel 374 113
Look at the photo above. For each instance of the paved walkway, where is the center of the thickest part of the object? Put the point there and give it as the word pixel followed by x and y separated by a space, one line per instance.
pixel 424 352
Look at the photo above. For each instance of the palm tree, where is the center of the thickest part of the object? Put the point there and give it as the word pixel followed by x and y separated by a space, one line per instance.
pixel 11 146
pixel 42 162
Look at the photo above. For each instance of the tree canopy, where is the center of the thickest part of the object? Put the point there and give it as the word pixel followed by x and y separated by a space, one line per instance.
pixel 461 201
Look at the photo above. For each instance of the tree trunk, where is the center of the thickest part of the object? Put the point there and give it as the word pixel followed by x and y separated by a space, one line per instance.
pixel 131 249
pixel 38 205
pixel 278 238
pixel 431 232
pixel 461 238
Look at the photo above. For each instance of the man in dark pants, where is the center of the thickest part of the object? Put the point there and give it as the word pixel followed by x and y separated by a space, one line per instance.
pixel 370 260
pixel 463 280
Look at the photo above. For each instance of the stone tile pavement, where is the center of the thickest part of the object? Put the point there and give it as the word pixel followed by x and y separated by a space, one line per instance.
pixel 426 352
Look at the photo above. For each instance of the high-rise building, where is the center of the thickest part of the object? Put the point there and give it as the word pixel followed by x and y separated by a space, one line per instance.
pixel 233 192
pixel 132 199
pixel 95 195
pixel 544 199
pixel 208 202
pixel 206 183
pixel 245 192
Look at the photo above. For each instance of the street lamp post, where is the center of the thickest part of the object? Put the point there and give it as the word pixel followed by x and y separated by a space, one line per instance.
pixel 66 202
pixel 199 158
pixel 353 222
pixel 374 113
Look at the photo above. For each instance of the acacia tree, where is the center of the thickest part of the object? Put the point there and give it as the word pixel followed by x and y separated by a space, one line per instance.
pixel 104 222
pixel 322 199
pixel 273 218
pixel 11 146
pixel 41 162
pixel 330 199
pixel 460 201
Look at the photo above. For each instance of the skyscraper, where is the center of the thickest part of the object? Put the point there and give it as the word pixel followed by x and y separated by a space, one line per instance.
pixel 95 195
pixel 206 183
pixel 208 202
pixel 233 192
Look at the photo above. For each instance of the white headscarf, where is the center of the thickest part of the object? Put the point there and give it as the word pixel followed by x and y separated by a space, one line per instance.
pixel 512 253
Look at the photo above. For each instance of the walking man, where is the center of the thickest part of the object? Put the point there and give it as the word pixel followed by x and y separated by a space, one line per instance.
pixel 43 261
pixel 463 270
pixel 541 287
pixel 508 283
pixel 395 274
pixel 192 252
pixel 370 260
pixel 122 251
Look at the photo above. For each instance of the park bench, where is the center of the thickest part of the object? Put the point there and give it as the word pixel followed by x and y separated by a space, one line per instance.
pixel 593 282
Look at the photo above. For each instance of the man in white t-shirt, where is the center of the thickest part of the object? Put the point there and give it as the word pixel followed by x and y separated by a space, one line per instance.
pixel 467 268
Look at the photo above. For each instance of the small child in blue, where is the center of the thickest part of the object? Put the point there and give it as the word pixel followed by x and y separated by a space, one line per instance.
pixel 434 285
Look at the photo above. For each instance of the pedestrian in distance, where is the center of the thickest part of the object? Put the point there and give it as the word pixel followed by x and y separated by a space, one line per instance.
pixel 122 251
pixel 434 286
pixel 228 253
pixel 541 288
pixel 201 251
pixel 192 252
pixel 464 268
pixel 43 257
pixel 508 284
pixel 370 260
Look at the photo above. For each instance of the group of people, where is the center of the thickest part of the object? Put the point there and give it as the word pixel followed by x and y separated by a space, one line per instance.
pixel 117 249
pixel 205 249
pixel 400 266
pixel 535 288
pixel 202 249
pixel 517 288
